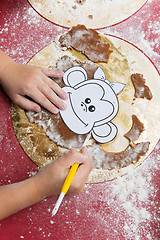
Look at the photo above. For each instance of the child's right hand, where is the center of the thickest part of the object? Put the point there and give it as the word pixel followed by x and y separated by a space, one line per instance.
pixel 51 178
pixel 47 182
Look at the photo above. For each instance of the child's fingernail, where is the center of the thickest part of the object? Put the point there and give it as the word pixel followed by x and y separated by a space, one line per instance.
pixel 37 108
pixel 63 105
pixel 84 148
pixel 55 110
pixel 60 74
pixel 73 150
pixel 65 95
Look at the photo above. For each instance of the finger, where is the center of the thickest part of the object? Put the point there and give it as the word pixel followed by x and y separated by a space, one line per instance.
pixel 84 151
pixel 71 157
pixel 27 104
pixel 81 177
pixel 83 172
pixel 52 72
pixel 40 98
pixel 56 88
pixel 85 168
pixel 51 96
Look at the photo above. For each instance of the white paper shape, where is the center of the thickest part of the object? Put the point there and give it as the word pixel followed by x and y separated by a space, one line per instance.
pixel 72 78
pixel 105 133
pixel 92 104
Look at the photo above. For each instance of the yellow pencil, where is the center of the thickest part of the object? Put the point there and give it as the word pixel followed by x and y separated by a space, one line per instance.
pixel 68 181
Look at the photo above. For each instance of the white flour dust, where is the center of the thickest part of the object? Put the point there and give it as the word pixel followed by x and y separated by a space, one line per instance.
pixel 127 206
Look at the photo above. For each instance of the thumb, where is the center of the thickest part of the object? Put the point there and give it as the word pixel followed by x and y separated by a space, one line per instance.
pixel 84 151
pixel 72 157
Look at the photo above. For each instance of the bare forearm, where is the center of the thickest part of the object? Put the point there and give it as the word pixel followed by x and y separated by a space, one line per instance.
pixel 5 61
pixel 18 196
pixel 47 182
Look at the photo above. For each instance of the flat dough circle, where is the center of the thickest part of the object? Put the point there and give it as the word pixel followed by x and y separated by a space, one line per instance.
pixel 92 13
pixel 38 146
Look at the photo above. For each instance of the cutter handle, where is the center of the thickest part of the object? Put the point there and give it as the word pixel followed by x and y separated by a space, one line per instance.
pixel 69 178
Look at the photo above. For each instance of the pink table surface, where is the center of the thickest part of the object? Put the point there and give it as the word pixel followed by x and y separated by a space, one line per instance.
pixel 125 208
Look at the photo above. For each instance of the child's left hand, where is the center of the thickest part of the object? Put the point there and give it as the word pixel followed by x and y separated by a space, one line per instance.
pixel 29 87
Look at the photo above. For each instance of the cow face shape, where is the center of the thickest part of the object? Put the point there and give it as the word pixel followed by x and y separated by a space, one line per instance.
pixel 88 103
pixel 91 103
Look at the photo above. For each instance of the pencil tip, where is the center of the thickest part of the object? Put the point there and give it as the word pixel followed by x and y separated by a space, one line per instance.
pixel 55 209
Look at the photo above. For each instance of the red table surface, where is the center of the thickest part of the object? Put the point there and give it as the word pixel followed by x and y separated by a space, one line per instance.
pixel 125 208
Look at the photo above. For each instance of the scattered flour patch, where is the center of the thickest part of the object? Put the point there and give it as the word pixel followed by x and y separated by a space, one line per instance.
pixel 77 211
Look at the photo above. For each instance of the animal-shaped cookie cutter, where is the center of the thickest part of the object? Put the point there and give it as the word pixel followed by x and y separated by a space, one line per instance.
pixel 92 103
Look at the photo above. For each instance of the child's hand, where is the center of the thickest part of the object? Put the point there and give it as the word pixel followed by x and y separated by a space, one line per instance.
pixel 21 81
pixel 47 182
pixel 51 178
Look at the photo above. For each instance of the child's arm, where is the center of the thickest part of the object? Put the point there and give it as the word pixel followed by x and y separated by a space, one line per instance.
pixel 47 182
pixel 22 80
